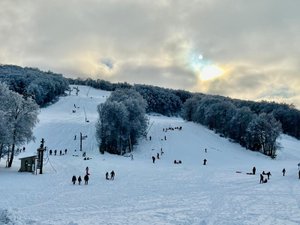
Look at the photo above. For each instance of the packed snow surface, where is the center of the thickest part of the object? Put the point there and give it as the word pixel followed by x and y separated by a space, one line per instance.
pixel 143 192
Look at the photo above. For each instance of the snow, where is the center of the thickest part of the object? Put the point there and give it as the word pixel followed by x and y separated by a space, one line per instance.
pixel 142 192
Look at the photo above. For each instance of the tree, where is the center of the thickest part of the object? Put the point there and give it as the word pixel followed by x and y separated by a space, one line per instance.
pixel 20 117
pixel 112 129
pixel 122 121
pixel 262 133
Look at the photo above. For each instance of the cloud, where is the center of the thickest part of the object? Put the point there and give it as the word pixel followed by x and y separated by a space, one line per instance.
pixel 150 42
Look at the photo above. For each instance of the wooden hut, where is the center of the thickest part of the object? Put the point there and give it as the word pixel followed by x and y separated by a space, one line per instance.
pixel 28 164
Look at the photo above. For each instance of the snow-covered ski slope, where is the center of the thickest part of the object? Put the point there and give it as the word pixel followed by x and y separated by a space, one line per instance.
pixel 142 192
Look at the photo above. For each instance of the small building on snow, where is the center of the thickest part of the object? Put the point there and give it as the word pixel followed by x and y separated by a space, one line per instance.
pixel 28 164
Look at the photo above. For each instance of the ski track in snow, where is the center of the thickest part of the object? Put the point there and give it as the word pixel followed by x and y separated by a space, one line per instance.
pixel 142 192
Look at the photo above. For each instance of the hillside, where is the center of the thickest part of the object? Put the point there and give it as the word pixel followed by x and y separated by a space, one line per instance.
pixel 143 192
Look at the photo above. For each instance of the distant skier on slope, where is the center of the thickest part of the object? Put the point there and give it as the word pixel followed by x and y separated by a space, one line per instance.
pixel 86 179
pixel 253 170
pixel 74 179
pixel 269 174
pixel 261 179
pixel 79 180
pixel 112 175
pixel 283 172
pixel 153 159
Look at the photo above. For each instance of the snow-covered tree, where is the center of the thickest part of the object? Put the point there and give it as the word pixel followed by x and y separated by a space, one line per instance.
pixel 262 133
pixel 19 117
pixel 121 121
pixel 112 128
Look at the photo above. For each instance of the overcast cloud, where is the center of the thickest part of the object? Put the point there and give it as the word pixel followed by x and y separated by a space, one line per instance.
pixel 256 42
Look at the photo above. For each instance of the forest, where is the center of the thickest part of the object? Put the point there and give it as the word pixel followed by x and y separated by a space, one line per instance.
pixel 43 87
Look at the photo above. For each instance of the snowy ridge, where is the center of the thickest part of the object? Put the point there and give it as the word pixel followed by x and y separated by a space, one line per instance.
pixel 143 192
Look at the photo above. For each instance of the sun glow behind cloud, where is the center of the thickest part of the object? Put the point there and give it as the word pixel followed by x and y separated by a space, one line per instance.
pixel 206 69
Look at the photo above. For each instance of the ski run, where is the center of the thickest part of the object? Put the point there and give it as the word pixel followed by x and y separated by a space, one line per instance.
pixel 163 193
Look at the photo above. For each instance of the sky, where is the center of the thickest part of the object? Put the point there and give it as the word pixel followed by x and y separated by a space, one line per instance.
pixel 237 48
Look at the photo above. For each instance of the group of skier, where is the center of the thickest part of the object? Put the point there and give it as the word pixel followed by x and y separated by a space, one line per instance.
pixel 268 174
pixel 61 152
pixel 86 179
pixel 112 175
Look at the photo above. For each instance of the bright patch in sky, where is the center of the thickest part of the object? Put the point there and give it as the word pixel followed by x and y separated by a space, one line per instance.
pixel 210 72
pixel 207 70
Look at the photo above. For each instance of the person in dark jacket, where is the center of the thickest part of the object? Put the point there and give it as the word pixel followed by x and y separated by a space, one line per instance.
pixel 79 180
pixel 253 170
pixel 86 179
pixel 74 179
pixel 269 174
pixel 106 176
pixel 50 152
pixel 204 162
pixel 157 155
pixel 261 179
pixel 153 159
pixel 112 175
pixel 283 172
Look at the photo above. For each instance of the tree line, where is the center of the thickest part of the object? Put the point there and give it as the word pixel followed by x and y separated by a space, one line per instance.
pixel 165 101
pixel 43 87
pixel 257 132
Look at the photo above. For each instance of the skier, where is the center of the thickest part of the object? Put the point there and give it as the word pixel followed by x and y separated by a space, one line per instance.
pixel 87 170
pixel 74 179
pixel 253 170
pixel 50 152
pixel 157 155
pixel 66 150
pixel 204 162
pixel 269 174
pixel 153 159
pixel 60 152
pixel 106 176
pixel 74 137
pixel 112 175
pixel 79 180
pixel 161 151
pixel 55 151
pixel 205 150
pixel 150 138
pixel 165 138
pixel 86 179
pixel 299 174
pixel 283 172
pixel 261 179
